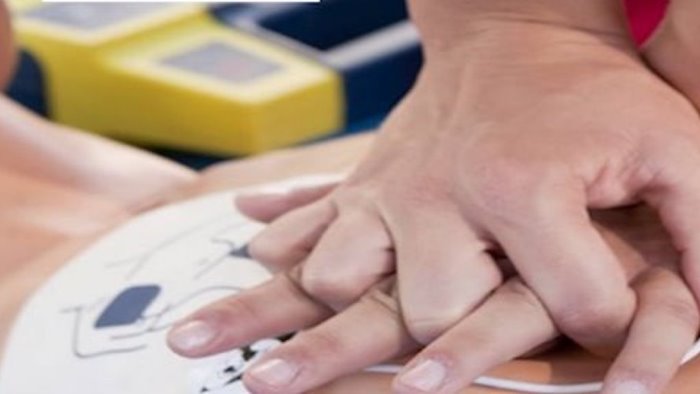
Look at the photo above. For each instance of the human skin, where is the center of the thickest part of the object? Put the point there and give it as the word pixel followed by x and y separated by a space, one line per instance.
pixel 526 114
pixel 44 219
pixel 673 51
pixel 74 216
pixel 508 136
pixel 7 51
pixel 47 166
pixel 359 336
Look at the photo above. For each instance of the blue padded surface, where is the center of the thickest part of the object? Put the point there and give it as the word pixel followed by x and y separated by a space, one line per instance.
pixel 378 69
pixel 370 43
pixel 28 86
pixel 322 25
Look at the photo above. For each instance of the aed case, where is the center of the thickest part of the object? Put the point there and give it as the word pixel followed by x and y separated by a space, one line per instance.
pixel 369 43
pixel 171 75
pixel 233 79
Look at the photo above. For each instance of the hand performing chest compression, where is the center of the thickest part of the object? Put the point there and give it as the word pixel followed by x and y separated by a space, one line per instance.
pixel 524 119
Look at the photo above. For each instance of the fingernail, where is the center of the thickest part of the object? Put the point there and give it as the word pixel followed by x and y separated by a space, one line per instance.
pixel 191 336
pixel 264 194
pixel 275 372
pixel 630 387
pixel 426 376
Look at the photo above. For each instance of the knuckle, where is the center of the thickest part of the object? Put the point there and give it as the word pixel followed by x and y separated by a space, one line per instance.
pixel 425 328
pixel 330 289
pixel 272 253
pixel 288 286
pixel 351 217
pixel 420 191
pixel 507 187
pixel 663 291
pixel 593 320
pixel 680 309
pixel 378 298
pixel 319 286
pixel 518 293
pixel 353 196
pixel 382 298
pixel 235 308
pixel 262 249
pixel 319 345
pixel 310 194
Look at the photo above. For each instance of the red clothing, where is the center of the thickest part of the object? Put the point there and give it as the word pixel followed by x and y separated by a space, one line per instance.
pixel 644 16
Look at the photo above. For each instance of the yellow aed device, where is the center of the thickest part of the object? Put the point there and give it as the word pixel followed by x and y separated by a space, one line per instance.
pixel 170 75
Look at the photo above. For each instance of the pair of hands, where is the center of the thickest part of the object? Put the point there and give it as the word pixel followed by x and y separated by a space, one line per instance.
pixel 510 323
pixel 501 149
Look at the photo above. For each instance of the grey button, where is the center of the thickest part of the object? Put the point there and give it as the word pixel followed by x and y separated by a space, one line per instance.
pixel 223 62
pixel 91 16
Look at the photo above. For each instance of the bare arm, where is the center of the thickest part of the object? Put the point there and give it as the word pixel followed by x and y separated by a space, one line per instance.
pixel 674 51
pixel 451 23
pixel 7 50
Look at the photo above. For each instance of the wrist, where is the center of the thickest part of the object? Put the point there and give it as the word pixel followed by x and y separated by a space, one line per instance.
pixel 449 25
